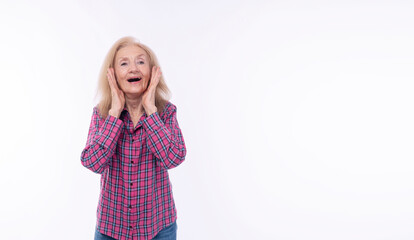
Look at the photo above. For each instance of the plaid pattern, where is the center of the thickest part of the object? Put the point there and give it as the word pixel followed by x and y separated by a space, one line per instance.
pixel 136 199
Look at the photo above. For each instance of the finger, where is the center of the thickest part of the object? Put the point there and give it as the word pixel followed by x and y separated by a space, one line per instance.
pixel 154 70
pixel 110 80
pixel 114 84
pixel 156 76
pixel 120 96
pixel 112 71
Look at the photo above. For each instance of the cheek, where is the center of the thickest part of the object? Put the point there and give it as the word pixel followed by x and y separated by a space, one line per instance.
pixel 145 83
pixel 147 71
pixel 119 74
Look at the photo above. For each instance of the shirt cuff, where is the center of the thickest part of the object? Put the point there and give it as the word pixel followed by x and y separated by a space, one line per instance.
pixel 109 132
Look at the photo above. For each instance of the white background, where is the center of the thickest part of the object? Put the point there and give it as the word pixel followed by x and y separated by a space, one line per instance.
pixel 297 115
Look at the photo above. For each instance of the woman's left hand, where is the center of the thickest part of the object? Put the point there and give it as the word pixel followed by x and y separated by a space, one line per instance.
pixel 148 97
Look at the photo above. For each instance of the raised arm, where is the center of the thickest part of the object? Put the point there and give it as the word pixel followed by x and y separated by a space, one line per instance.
pixel 101 143
pixel 166 140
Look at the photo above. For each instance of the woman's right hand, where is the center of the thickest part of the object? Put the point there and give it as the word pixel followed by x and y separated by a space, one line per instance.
pixel 118 97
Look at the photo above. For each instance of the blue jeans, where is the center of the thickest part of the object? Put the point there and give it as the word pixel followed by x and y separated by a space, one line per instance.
pixel 168 233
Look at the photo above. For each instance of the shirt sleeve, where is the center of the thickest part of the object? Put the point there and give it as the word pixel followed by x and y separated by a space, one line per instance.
pixel 101 143
pixel 165 139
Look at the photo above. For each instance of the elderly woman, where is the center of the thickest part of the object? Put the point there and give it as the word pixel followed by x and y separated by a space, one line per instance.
pixel 133 139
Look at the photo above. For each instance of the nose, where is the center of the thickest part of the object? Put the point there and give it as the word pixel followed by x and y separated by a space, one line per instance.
pixel 134 67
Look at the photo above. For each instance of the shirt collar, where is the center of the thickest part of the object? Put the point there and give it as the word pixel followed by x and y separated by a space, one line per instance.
pixel 125 110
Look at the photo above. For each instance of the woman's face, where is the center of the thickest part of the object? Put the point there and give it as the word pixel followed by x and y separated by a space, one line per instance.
pixel 132 69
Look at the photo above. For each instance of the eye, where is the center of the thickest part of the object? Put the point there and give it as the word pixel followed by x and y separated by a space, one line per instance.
pixel 123 64
pixel 141 62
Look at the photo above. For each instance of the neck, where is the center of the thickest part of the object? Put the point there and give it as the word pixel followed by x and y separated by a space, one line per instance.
pixel 134 105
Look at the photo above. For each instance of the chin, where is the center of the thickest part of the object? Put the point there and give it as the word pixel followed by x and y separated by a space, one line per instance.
pixel 138 89
pixel 133 91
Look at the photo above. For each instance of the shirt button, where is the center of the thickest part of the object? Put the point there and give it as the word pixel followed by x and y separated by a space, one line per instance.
pixel 132 140
pixel 130 227
pixel 132 161
pixel 129 206
pixel 130 184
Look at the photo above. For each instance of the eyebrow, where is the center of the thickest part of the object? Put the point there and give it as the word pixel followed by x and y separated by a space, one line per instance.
pixel 125 58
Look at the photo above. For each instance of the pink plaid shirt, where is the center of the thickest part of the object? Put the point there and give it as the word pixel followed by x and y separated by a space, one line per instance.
pixel 136 199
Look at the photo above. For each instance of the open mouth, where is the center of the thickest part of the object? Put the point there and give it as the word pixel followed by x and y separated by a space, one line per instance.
pixel 134 80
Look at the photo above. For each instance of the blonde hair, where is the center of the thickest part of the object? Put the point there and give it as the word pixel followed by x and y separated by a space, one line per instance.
pixel 162 92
